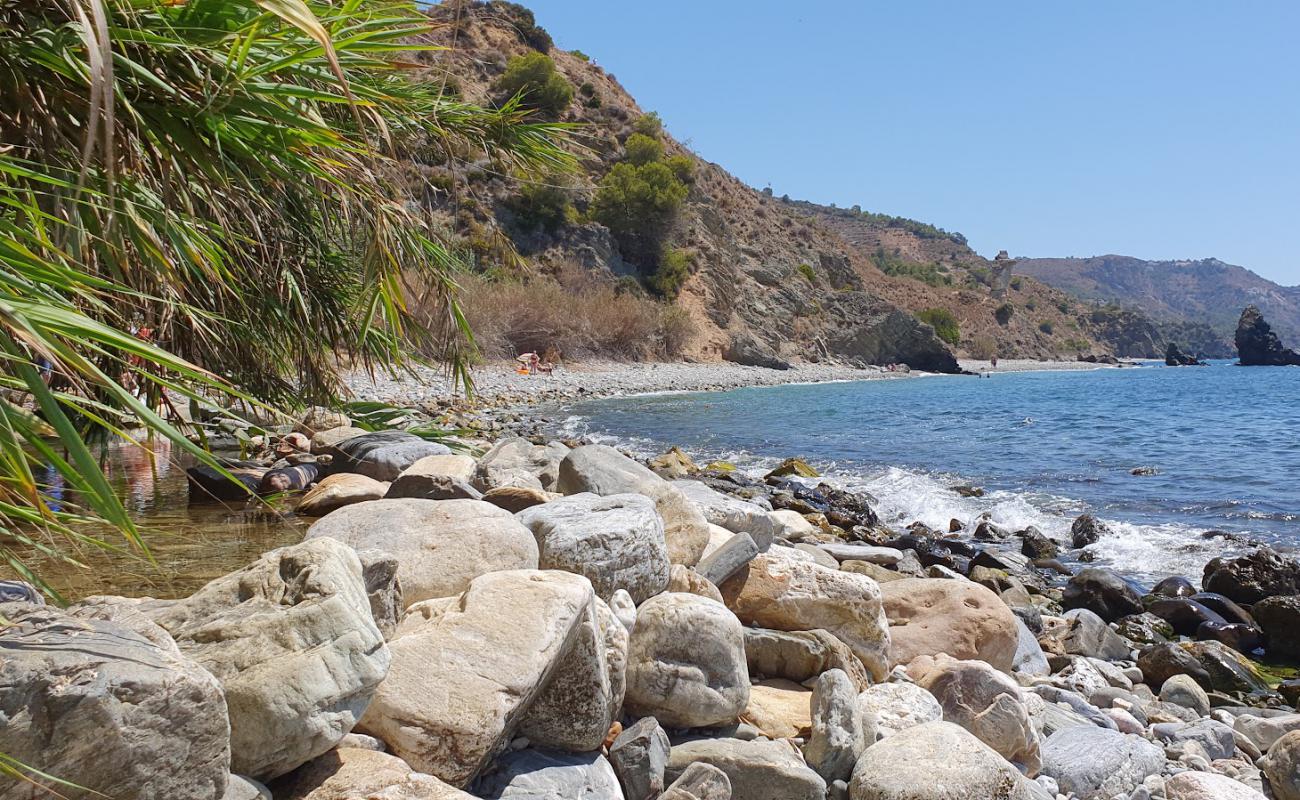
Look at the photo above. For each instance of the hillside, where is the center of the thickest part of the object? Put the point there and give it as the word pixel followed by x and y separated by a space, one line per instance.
pixel 760 279
pixel 1207 291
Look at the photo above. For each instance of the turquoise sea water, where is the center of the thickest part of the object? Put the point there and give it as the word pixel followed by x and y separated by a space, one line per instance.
pixel 1046 446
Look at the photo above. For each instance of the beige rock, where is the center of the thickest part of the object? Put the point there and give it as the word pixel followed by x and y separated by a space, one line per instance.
pixel 773 592
pixel 801 655
pixel 336 491
pixel 353 774
pixel 292 639
pixel 936 761
pixel 898 706
pixel 494 651
pixel 604 471
pixel 519 462
pixel 440 545
pixel 1281 766
pixel 421 477
pixel 985 702
pixel 322 441
pixel 686 662
pixel 516 498
pixel 1193 785
pixel 685 579
pixel 876 572
pixel 929 616
pixel 779 708
pixel 318 419
pixel 758 770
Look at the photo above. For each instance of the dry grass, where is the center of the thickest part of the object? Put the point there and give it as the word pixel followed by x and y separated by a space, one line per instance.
pixel 579 315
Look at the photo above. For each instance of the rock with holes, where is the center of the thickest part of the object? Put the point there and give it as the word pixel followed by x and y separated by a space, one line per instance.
pixel 294 643
pixel 440 545
pixel 930 616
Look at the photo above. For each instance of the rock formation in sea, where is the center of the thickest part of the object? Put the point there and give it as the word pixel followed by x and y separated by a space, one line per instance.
pixel 1258 346
pixel 1175 357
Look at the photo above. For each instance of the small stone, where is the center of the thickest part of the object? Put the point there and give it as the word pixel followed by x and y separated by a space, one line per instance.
pixel 1184 691
pixel 898 706
pixel 639 756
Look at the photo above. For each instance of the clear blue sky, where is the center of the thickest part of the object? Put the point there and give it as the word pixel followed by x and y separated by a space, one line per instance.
pixel 1154 129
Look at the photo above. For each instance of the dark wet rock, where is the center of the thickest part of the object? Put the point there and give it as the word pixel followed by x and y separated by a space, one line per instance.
pixel 295 478
pixel 1035 544
pixel 1145 629
pixel 1086 530
pixel 1102 591
pixel 208 484
pixel 1242 638
pixel 1175 357
pixel 955 525
pixel 1174 586
pixel 968 491
pixel 382 455
pixel 841 508
pixel 988 532
pixel 1184 614
pixel 1290 690
pixel 1225 608
pixel 1144 472
pixel 1258 345
pixel 1279 617
pixel 1212 664
pixel 1251 578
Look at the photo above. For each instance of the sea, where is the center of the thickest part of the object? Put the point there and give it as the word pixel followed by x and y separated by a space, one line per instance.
pixel 1182 463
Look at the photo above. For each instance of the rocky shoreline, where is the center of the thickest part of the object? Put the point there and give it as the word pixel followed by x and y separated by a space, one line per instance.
pixel 559 620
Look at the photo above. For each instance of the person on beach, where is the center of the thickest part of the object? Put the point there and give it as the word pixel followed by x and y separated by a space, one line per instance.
pixel 994 362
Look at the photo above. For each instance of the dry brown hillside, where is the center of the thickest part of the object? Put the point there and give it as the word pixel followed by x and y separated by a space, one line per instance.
pixel 762 279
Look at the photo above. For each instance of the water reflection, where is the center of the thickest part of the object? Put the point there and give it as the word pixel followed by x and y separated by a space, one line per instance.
pixel 189 544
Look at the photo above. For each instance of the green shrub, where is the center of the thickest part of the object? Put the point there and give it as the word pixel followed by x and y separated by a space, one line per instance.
pixel 808 272
pixel 1031 305
pixel 638 204
pixel 1003 313
pixel 682 166
pixel 673 270
pixel 581 56
pixel 649 125
pixel 541 205
pixel 525 24
pixel 1064 306
pixel 944 324
pixel 922 230
pixel 642 149
pixel 896 265
pixel 534 76
pixel 1016 283
pixel 1046 327
pixel 587 89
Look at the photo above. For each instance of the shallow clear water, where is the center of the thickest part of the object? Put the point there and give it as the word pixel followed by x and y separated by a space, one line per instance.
pixel 1047 446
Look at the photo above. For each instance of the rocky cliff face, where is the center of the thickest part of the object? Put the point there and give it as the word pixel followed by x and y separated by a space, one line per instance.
pixel 1258 346
pixel 770 280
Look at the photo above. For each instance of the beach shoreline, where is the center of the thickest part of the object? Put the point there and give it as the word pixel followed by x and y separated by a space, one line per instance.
pixel 499 385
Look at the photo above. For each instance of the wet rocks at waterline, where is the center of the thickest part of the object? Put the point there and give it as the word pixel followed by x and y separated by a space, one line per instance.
pixel 589 629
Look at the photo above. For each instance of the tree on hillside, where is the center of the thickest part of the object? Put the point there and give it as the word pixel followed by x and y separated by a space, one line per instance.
pixel 533 79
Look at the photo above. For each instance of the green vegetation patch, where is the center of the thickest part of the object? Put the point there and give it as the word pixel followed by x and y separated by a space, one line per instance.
pixel 944 324
pixel 535 80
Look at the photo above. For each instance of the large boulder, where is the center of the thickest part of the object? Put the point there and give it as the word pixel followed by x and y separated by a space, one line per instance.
pixel 898 706
pixel 929 616
pixel 382 455
pixel 801 655
pixel 1213 665
pixel 616 541
pixel 758 770
pixel 774 592
pixel 1098 763
pixel 1102 591
pixel 338 490
pixel 438 477
pixel 348 773
pixel 294 643
pixel 1192 785
pixel 1281 767
pixel 115 709
pixel 985 702
pixel 602 470
pixel 542 775
pixel 732 513
pixel 686 662
pixel 935 761
pixel 1258 345
pixel 1279 617
pixel 1253 577
pixel 467 671
pixel 440 545
pixel 520 463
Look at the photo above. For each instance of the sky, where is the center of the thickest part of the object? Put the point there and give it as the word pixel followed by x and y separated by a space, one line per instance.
pixel 1162 130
